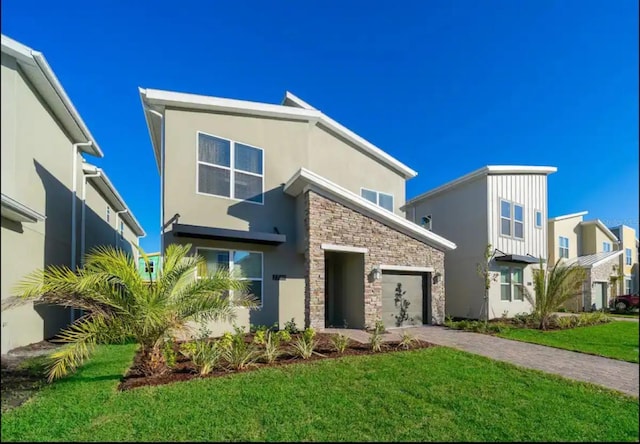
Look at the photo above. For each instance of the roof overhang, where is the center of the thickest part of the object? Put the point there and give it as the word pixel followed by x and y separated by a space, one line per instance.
pixel 304 180
pixel 482 172
pixel 101 181
pixel 19 212
pixel 568 216
pixel 593 260
pixel 35 68
pixel 158 100
pixel 603 228
pixel 517 258
pixel 251 237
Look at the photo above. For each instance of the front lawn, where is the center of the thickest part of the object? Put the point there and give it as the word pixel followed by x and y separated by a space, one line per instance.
pixel 433 394
pixel 618 339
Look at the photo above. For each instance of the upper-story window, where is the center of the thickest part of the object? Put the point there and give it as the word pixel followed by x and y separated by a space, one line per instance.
pixel 511 219
pixel 229 169
pixel 383 200
pixel 627 256
pixel 108 213
pixel 563 242
pixel 538 219
pixel 606 247
pixel 426 222
pixel 121 230
pixel 148 267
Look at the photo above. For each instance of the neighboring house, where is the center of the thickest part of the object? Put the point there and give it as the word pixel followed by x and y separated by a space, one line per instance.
pixel 629 280
pixel 149 270
pixel 305 209
pixel 499 205
pixel 591 245
pixel 45 220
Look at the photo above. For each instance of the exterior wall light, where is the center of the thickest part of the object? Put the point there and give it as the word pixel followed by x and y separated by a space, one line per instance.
pixel 376 273
pixel 436 277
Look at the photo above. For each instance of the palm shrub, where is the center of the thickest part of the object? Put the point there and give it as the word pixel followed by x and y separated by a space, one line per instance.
pixel 238 353
pixel 553 287
pixel 204 354
pixel 272 349
pixel 119 305
pixel 340 342
pixel 406 340
pixel 306 343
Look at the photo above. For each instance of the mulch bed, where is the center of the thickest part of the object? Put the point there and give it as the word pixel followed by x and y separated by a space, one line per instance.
pixel 184 369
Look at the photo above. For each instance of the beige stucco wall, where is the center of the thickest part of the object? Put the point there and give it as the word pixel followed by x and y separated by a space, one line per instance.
pixel 592 239
pixel 628 241
pixel 569 228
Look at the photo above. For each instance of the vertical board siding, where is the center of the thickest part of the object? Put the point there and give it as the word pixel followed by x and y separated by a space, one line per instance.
pixel 530 191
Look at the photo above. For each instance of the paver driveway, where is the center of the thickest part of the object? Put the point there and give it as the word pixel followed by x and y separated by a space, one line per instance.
pixel 611 373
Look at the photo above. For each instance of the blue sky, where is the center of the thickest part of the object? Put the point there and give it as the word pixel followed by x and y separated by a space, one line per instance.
pixel 444 86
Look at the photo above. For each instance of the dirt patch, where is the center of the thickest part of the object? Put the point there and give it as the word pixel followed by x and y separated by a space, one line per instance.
pixel 184 369
pixel 23 373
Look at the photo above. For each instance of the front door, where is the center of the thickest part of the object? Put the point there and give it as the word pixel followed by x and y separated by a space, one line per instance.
pixel 599 295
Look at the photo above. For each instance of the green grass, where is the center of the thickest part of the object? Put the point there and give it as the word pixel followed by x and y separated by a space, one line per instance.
pixel 618 339
pixel 435 394
pixel 625 315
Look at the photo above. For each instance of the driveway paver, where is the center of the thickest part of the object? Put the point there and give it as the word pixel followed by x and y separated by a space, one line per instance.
pixel 611 373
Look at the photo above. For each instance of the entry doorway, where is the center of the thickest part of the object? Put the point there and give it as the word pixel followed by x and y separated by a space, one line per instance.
pixel 599 296
pixel 344 290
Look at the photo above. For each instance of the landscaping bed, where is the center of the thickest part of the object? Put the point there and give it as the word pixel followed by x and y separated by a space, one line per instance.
pixel 184 368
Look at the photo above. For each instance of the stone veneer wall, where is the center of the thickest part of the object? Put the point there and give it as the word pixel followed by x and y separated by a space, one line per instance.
pixel 599 273
pixel 327 221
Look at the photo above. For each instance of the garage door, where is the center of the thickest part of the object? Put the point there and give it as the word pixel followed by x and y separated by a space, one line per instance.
pixel 404 299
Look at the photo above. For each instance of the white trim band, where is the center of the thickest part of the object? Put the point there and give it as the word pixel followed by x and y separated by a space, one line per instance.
pixel 345 248
pixel 407 268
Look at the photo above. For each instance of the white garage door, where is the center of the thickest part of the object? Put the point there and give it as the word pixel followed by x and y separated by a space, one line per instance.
pixel 403 299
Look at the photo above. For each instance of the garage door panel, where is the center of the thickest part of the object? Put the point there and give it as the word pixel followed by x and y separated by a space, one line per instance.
pixel 399 289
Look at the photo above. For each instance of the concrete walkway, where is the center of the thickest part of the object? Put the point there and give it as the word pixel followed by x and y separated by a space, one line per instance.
pixel 611 373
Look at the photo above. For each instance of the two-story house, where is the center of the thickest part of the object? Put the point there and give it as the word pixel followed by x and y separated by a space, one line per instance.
pixel 55 207
pixel 307 211
pixel 591 245
pixel 501 206
pixel 628 244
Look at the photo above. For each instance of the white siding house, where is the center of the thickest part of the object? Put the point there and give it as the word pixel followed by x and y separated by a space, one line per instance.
pixel 504 206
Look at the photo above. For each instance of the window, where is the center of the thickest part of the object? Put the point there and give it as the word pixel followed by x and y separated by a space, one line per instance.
pixel 538 219
pixel 627 256
pixel 229 169
pixel 108 213
pixel 606 247
pixel 248 264
pixel 564 246
pixel 381 199
pixel 148 268
pixel 511 284
pixel 121 231
pixel 426 222
pixel 627 286
pixel 511 219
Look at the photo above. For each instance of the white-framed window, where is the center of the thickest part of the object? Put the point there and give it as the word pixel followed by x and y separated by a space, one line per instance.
pixel 606 247
pixel 379 198
pixel 426 222
pixel 230 169
pixel 563 242
pixel 121 229
pixel 248 265
pixel 627 286
pixel 511 284
pixel 511 219
pixel 148 267
pixel 627 256
pixel 538 219
pixel 108 215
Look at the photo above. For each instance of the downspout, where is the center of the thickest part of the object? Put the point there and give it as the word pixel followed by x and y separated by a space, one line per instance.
pixel 74 186
pixel 161 181
pixel 84 212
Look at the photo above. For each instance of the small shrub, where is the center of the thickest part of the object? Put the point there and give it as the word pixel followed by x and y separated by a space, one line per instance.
pixel 306 343
pixel 169 353
pixel 497 327
pixel 340 342
pixel 407 340
pixel 225 340
pixel 594 318
pixel 240 355
pixel 260 333
pixel 565 322
pixel 379 327
pixel 290 326
pixel 284 336
pixel 204 354
pixel 272 349
pixel 375 340
pixel 448 321
pixel 461 325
